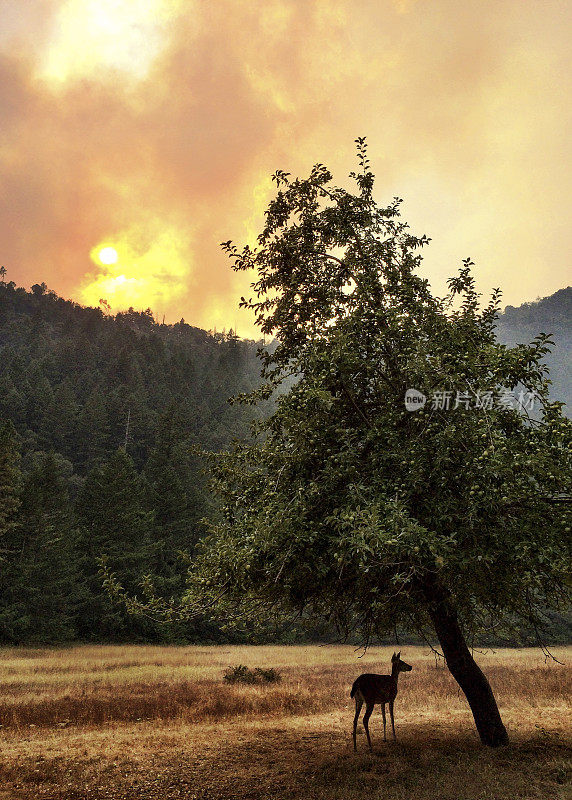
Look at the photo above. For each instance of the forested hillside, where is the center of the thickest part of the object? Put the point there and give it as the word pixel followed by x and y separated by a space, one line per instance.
pixel 100 419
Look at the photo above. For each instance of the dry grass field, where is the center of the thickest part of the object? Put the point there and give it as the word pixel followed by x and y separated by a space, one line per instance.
pixel 159 722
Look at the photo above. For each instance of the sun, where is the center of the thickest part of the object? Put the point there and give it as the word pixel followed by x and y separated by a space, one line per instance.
pixel 108 255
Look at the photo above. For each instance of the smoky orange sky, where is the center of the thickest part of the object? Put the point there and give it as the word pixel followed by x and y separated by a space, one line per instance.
pixel 152 127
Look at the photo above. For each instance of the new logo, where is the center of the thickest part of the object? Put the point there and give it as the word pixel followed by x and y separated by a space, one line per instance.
pixel 414 400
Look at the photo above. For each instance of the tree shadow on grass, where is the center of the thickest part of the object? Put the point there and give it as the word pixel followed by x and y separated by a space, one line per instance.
pixel 443 764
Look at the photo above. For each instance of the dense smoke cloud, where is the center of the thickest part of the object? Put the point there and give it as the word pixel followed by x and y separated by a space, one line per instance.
pixel 153 125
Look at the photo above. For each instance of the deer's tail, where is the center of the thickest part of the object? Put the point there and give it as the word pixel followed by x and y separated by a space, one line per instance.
pixel 354 687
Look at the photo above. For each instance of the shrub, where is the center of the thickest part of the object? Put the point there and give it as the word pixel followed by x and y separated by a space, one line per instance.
pixel 243 674
pixel 270 675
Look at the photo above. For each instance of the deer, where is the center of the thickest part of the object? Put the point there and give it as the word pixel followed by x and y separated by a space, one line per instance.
pixel 377 689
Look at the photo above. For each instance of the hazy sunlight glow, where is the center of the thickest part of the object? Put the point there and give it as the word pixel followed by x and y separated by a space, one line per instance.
pixel 150 273
pixel 124 35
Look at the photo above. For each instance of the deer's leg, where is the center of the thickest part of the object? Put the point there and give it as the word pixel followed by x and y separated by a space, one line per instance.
pixel 359 704
pixel 391 715
pixel 366 716
pixel 383 715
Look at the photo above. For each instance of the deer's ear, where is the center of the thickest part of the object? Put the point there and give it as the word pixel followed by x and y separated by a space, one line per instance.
pixel 393 656
pixel 399 654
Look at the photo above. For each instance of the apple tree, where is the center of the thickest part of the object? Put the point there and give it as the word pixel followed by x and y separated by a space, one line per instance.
pixel 346 504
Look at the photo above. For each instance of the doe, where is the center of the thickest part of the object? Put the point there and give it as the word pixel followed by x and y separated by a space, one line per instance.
pixel 377 689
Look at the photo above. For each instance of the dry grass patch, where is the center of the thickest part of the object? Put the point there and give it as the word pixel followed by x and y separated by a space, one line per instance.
pixel 184 701
pixel 94 686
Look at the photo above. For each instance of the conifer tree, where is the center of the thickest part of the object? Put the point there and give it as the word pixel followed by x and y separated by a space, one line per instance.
pixel 10 479
pixel 175 495
pixel 11 608
pixel 114 525
pixel 47 571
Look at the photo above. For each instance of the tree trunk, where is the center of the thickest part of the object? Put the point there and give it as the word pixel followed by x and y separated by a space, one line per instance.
pixel 463 667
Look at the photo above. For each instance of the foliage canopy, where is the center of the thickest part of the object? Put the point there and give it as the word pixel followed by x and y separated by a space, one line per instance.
pixel 349 506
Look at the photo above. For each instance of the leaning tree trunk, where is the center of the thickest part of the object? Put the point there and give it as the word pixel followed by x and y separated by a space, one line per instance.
pixel 463 667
